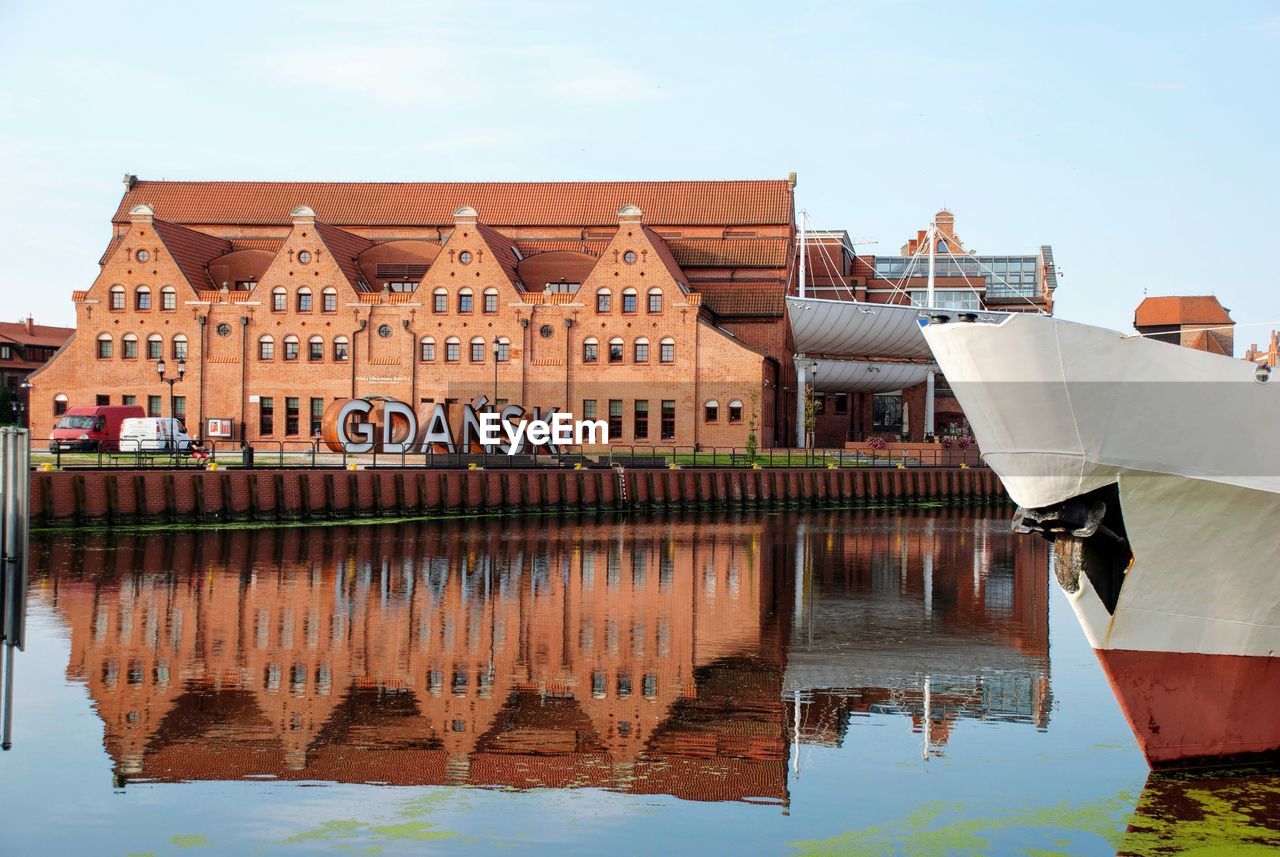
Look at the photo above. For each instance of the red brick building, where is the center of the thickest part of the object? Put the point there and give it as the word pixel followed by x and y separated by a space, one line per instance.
pixel 1268 356
pixel 24 347
pixel 1192 321
pixel 655 305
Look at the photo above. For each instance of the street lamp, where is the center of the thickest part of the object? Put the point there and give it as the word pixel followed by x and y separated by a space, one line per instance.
pixel 182 370
pixel 497 349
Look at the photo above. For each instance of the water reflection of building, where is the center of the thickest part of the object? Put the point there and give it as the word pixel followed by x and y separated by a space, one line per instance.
pixel 659 656
pixel 938 618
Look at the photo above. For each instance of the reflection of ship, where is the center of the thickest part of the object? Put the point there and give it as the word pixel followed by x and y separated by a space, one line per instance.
pixel 1205 813
pixel 640 656
pixel 1147 463
pixel 934 619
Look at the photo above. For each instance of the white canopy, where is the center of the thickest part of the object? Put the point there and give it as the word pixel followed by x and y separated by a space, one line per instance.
pixel 866 376
pixel 856 329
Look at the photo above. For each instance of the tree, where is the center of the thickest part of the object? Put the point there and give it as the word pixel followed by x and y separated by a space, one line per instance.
pixel 753 440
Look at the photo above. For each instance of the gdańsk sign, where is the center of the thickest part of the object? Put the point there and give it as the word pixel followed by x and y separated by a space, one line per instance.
pixel 389 425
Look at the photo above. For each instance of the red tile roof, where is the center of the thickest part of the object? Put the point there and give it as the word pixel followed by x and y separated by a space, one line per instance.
pixel 501 248
pixel 665 257
pixel 345 247
pixel 743 299
pixel 433 203
pixel 40 334
pixel 192 251
pixel 1179 309
pixel 730 252
pixel 532 247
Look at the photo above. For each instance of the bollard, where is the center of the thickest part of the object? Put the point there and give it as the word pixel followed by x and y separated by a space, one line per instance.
pixel 15 485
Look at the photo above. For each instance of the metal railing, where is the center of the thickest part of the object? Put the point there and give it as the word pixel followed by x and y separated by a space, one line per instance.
pixel 306 454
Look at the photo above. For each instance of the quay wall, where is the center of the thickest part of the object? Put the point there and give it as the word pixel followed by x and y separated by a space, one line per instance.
pixel 68 498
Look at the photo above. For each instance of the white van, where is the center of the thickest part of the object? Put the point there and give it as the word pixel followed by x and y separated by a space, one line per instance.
pixel 154 434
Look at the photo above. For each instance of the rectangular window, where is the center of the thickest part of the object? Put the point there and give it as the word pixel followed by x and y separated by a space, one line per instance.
pixel 266 416
pixel 667 352
pixel 330 301
pixel 6 352
pixel 615 419
pixel 168 299
pixel 668 419
pixel 642 352
pixel 315 349
pixel 655 301
pixel 279 300
pixel 465 302
pixel 304 301
pixel 130 349
pixel 628 302
pixel 615 352
pixel 179 348
pixel 428 350
pixel 144 300
pixel 291 349
pixel 504 351
pixel 401 285
pixel 180 407
pixel 477 352
pixel 104 347
pixel 155 349
pixel 117 298
pixel 588 409
pixel 291 405
pixel 491 302
pixel 452 351
pixel 153 406
pixel 735 411
pixel 842 403
pixel 440 302
pixel 819 403
pixel 642 419
pixel 604 301
pixel 340 349
pixel 128 400
pixel 317 416
pixel 266 349
pixel 590 351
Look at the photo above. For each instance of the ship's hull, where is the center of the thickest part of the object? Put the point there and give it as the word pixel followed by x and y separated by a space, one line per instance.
pixel 1178 591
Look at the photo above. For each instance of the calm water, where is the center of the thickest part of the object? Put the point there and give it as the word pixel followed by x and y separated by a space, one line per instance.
pixel 819 683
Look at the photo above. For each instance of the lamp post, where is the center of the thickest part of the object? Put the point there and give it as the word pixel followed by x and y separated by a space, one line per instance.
pixel 20 404
pixel 497 349
pixel 182 370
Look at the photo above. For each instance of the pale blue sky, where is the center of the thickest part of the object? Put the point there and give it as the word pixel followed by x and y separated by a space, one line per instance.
pixel 1138 138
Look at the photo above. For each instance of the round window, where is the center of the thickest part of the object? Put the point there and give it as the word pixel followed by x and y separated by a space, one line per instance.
pixel 629 257
pixel 546 331
pixel 143 255
pixel 304 257
pixel 224 329
pixel 465 257
pixel 384 330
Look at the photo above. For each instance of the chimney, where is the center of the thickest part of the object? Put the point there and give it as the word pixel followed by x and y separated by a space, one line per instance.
pixel 791 180
pixel 129 181
pixel 30 324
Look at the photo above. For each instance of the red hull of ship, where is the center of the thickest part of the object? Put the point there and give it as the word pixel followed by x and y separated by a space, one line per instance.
pixel 1189 709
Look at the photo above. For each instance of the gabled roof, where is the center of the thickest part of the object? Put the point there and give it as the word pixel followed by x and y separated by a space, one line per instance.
pixel 433 203
pixel 668 261
pixel 1180 309
pixel 192 251
pixel 503 251
pixel 345 247
pixel 40 334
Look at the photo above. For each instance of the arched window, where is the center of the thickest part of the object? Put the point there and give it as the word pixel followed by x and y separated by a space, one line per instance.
pixel 440 301
pixel 279 299
pixel 329 300
pixel 155 346
pixel 427 349
pixel 315 349
pixel 104 344
pixel 60 404
pixel 304 299
pixel 180 347
pixel 490 300
pixel 266 348
pixel 341 349
pixel 143 297
pixel 477 349
pixel 452 349
pixel 942 246
pixel 503 351
pixel 712 410
pixel 642 350
pixel 667 350
pixel 628 300
pixel 604 300
pixel 168 298
pixel 466 302
pixel 735 411
pixel 655 300
pixel 291 347
pixel 130 347
pixel 117 298
pixel 615 350
pixel 590 350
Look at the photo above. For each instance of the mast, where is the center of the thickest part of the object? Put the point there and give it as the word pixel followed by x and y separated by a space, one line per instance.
pixel 932 237
pixel 803 252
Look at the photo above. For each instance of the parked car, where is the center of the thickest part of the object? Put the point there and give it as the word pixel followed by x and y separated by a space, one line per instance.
pixel 154 434
pixel 95 427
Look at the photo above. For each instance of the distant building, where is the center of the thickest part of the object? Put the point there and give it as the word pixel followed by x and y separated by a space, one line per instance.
pixel 1269 356
pixel 1192 321
pixel 24 347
